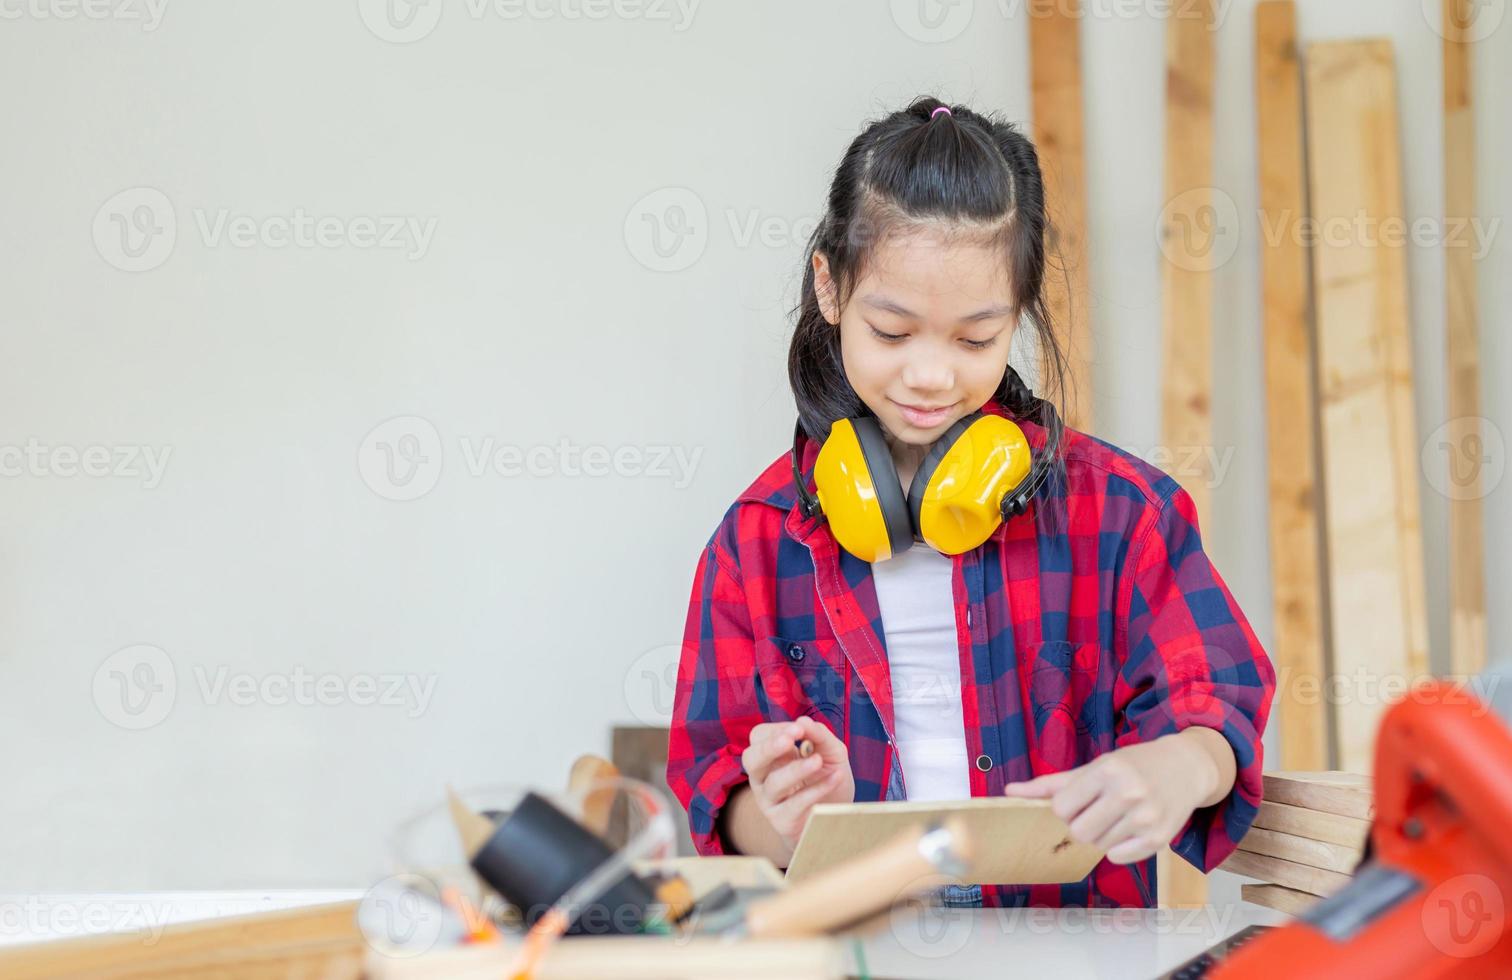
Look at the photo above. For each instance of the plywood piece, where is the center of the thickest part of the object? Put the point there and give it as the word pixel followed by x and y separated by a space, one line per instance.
pixel 1467 559
pixel 628 958
pixel 1302 850
pixel 1287 900
pixel 1291 406
pixel 1186 416
pixel 1370 444
pixel 1013 841
pixel 317 941
pixel 1345 793
pixel 1288 874
pixel 1312 824
pixel 1055 92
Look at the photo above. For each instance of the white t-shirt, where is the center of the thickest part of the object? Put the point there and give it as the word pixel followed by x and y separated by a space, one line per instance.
pixel 918 620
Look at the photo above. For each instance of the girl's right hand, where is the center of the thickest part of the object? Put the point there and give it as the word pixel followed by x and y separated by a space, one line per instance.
pixel 787 787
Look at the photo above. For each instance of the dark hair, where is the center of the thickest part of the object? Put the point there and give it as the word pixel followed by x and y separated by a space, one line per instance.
pixel 963 173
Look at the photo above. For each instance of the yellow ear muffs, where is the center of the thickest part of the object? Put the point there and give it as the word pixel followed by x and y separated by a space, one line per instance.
pixel 967 480
pixel 859 491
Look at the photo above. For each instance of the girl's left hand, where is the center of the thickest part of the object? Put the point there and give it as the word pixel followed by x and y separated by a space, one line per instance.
pixel 1129 802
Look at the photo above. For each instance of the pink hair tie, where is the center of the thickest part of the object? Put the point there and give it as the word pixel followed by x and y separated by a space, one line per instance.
pixel 944 108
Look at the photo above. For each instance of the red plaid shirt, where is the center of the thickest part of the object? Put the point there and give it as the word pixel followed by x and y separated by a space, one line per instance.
pixel 1113 628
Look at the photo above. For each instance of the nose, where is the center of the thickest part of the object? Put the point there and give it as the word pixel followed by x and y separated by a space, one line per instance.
pixel 928 371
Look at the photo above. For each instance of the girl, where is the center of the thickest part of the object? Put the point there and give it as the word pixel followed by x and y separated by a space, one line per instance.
pixel 1086 651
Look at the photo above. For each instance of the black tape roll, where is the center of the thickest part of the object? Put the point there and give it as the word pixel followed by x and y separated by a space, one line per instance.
pixel 539 852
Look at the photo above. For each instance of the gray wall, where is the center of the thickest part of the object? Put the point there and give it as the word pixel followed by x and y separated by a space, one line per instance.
pixel 264 583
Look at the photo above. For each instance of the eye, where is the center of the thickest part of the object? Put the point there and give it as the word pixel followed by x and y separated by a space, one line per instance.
pixel 891 338
pixel 979 344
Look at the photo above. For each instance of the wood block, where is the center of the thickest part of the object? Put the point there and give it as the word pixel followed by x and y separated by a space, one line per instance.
pixel 1187 306
pixel 1287 900
pixel 1013 841
pixel 1302 850
pixel 1370 444
pixel 317 941
pixel 1055 91
pixel 1276 871
pixel 628 958
pixel 1312 824
pixel 1346 793
pixel 1467 572
pixel 1291 404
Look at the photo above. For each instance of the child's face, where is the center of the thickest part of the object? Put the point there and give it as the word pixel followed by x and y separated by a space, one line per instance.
pixel 950 306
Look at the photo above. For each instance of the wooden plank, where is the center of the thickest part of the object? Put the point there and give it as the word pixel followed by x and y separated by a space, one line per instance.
pixel 1287 900
pixel 1186 407
pixel 1467 571
pixel 1055 92
pixel 1312 824
pixel 1288 874
pixel 1370 450
pixel 1013 841
pixel 1302 850
pixel 1291 406
pixel 1345 793
pixel 318 941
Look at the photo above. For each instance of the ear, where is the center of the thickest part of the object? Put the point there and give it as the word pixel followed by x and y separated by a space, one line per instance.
pixel 824 289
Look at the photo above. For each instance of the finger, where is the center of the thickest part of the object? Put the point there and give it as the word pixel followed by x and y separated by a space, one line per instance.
pixel 1085 785
pixel 795 808
pixel 1040 787
pixel 827 745
pixel 1094 823
pixel 760 756
pixel 1125 827
pixel 1132 850
pixel 785 780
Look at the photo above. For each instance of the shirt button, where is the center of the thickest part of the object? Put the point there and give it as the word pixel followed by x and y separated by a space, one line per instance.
pixel 984 762
pixel 968 617
pixel 795 653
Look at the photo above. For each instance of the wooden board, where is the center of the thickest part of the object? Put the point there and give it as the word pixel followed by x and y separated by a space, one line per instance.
pixel 1345 793
pixel 1467 571
pixel 1055 91
pixel 629 958
pixel 1291 406
pixel 1287 900
pixel 318 941
pixel 1289 874
pixel 1370 445
pixel 1014 841
pixel 1302 850
pixel 1312 824
pixel 1186 416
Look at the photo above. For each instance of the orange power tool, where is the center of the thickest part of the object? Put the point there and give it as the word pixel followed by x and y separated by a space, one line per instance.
pixel 1432 895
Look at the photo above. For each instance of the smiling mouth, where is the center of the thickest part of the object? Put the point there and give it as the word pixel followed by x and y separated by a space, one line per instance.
pixel 924 417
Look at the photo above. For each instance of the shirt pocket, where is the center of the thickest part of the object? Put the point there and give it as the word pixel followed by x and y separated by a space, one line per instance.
pixel 801 676
pixel 1066 706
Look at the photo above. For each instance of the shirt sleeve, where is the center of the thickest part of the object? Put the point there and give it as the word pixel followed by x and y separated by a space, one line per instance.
pixel 715 705
pixel 1191 658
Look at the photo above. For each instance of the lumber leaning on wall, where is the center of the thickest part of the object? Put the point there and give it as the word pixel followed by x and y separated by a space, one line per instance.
pixel 1370 445
pixel 1463 438
pixel 1055 90
pixel 1291 408
pixel 1186 416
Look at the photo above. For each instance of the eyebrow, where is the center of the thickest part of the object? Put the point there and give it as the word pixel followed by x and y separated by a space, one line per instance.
pixel 883 303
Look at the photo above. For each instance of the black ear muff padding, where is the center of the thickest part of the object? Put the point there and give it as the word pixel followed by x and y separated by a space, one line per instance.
pixel 931 462
pixel 884 476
